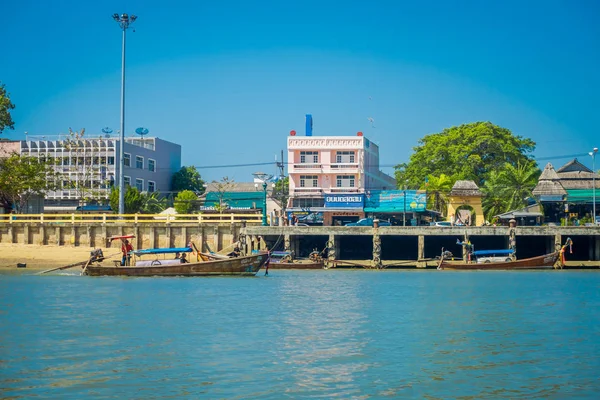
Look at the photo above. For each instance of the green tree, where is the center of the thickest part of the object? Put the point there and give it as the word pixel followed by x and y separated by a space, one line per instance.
pixel 153 203
pixel 22 177
pixel 281 192
pixel 466 152
pixel 508 188
pixel 187 178
pixel 6 105
pixel 221 188
pixel 438 188
pixel 134 200
pixel 493 202
pixel 184 202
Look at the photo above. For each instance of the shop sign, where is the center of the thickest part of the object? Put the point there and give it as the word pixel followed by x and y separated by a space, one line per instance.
pixel 355 200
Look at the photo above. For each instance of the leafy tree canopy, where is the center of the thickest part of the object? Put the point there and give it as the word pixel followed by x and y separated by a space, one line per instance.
pixel 281 191
pixel 509 188
pixel 22 177
pixel 134 200
pixel 5 106
pixel 471 152
pixel 184 202
pixel 187 178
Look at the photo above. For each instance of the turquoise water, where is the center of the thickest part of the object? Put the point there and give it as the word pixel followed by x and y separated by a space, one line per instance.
pixel 352 334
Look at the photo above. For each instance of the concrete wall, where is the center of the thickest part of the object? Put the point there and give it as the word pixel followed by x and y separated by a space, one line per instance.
pixel 213 237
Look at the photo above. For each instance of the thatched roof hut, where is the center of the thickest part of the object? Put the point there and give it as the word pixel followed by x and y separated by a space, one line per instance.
pixel 465 188
pixel 575 175
pixel 549 184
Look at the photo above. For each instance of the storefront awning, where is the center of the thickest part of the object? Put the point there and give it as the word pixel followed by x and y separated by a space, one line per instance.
pixel 582 196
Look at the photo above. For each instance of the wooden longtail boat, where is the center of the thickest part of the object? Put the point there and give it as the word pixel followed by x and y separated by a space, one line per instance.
pixel 297 265
pixel 540 262
pixel 240 266
pixel 283 260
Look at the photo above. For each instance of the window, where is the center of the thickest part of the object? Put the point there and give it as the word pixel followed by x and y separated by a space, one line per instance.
pixel 127 180
pixel 111 160
pixel 139 162
pixel 309 157
pixel 151 166
pixel 139 184
pixel 151 186
pixel 344 157
pixel 127 159
pixel 309 181
pixel 346 181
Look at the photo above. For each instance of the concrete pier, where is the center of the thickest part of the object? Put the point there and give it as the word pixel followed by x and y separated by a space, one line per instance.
pixel 371 247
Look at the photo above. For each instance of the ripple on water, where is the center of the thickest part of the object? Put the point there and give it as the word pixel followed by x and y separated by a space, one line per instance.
pixel 297 334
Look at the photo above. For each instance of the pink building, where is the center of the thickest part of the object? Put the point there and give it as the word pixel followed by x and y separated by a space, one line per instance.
pixel 330 176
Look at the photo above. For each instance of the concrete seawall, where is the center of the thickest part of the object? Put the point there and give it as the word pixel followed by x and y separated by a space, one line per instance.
pixel 342 243
pixel 214 237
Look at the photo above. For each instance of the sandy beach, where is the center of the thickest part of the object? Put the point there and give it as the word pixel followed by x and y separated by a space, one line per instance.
pixel 45 257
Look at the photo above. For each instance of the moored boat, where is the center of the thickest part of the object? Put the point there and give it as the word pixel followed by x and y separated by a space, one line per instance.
pixel 545 261
pixel 240 266
pixel 284 260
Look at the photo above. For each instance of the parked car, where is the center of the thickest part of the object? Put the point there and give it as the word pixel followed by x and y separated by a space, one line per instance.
pixel 368 222
pixel 440 223
pixel 598 220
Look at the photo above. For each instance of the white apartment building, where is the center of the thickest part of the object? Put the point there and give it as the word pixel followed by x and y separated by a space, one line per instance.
pixel 88 166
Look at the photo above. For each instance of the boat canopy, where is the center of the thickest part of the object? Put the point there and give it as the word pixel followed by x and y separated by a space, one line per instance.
pixel 504 252
pixel 280 253
pixel 162 251
pixel 121 237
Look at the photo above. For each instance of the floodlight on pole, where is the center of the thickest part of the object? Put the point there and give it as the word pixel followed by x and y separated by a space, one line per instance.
pixel 124 21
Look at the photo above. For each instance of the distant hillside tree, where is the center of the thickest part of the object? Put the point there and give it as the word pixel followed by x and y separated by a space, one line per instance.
pixel 6 105
pixel 187 178
pixel 466 152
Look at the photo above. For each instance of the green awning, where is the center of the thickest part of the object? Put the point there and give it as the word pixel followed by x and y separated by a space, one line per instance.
pixel 236 200
pixel 583 196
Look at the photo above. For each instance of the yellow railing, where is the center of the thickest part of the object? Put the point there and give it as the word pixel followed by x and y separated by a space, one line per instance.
pixel 130 218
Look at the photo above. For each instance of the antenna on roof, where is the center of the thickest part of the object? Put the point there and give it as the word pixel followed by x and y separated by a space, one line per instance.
pixel 107 131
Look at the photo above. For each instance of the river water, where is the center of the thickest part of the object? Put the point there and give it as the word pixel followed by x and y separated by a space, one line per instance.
pixel 349 334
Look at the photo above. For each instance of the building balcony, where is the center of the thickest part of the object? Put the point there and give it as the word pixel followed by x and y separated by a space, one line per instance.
pixel 343 166
pixel 344 190
pixel 305 167
pixel 307 190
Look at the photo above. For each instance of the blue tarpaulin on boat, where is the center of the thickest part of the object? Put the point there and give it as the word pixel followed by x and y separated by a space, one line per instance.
pixel 162 251
pixel 492 252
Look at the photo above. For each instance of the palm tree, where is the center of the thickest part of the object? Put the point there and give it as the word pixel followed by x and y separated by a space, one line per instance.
pixel 437 192
pixel 517 183
pixel 493 203
pixel 509 188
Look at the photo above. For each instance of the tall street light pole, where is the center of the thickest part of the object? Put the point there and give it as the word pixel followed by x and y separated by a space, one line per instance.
pixel 593 154
pixel 124 21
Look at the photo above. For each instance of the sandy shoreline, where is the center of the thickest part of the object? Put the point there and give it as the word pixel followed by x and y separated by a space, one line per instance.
pixel 45 257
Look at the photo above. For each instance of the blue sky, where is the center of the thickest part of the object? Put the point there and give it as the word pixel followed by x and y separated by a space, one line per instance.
pixel 228 80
